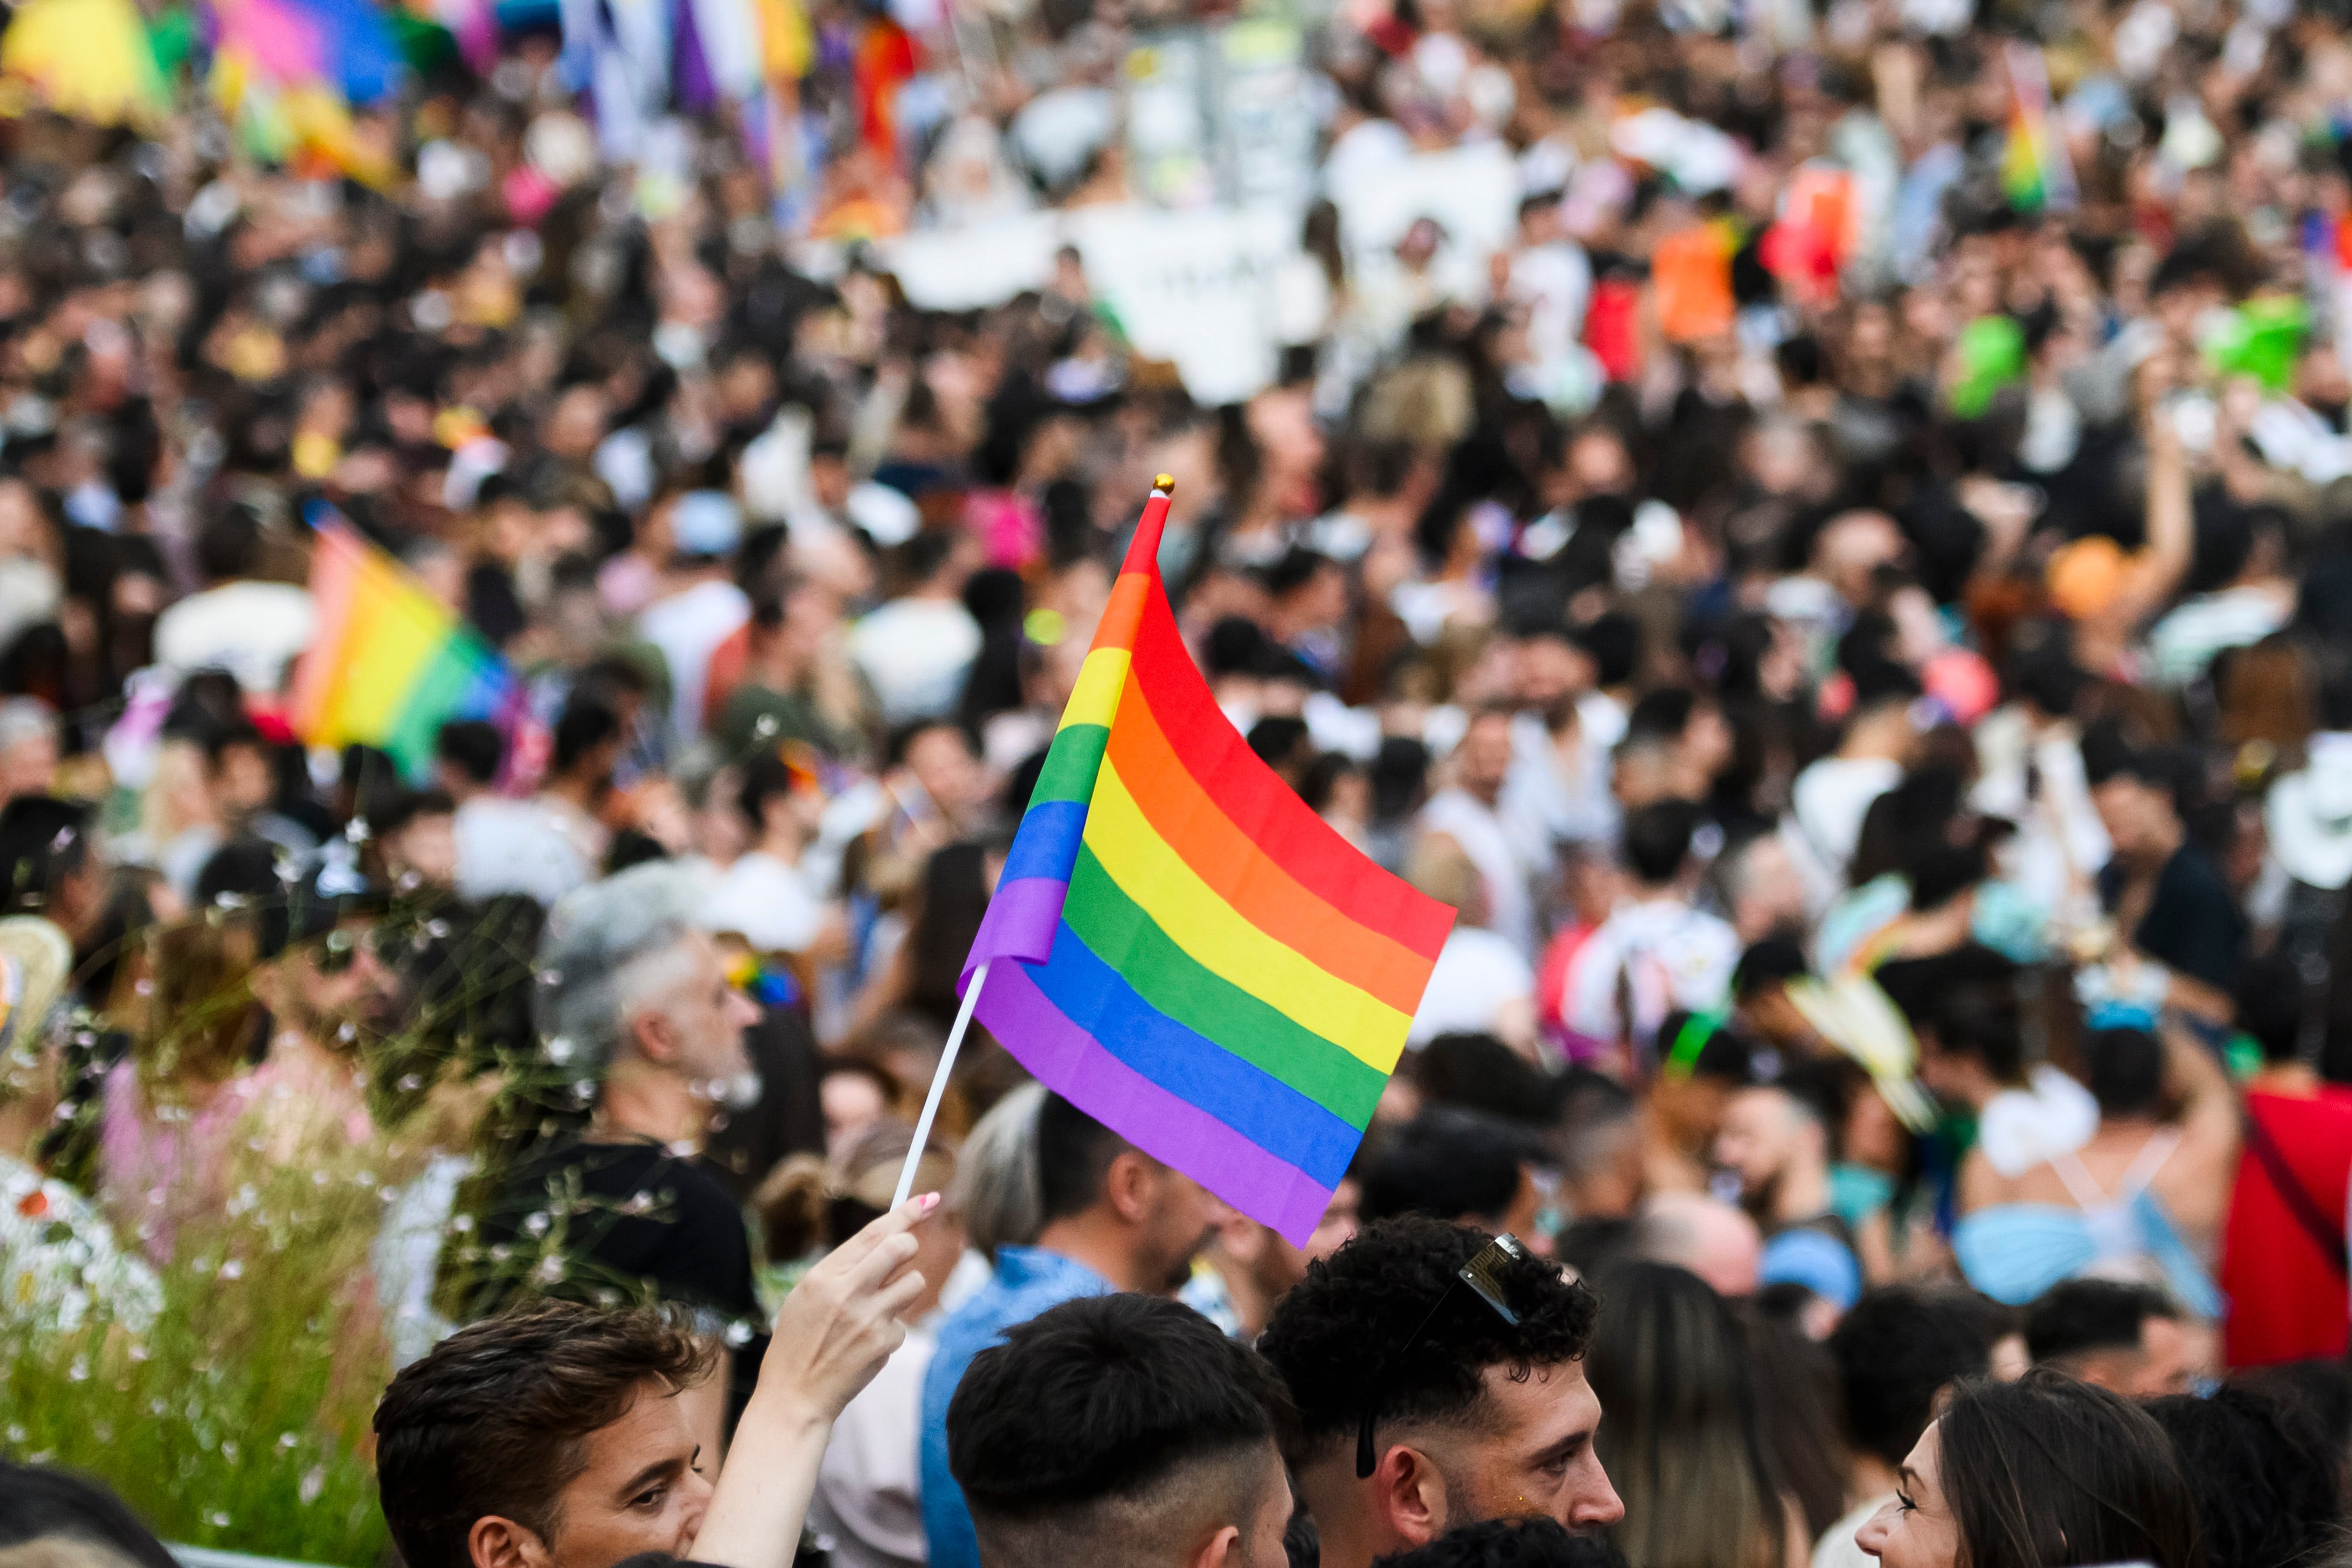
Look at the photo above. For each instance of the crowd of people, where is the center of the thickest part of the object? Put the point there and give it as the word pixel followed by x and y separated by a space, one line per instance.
pixel 1843 589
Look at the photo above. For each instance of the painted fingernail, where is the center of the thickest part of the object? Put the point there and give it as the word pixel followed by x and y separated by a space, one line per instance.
pixel 928 1202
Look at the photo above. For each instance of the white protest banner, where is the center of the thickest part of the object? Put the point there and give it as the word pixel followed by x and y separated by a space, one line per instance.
pixel 1196 289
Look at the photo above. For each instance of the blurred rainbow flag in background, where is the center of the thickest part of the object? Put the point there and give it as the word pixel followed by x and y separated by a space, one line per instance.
pixel 89 60
pixel 2036 174
pixel 1185 951
pixel 391 663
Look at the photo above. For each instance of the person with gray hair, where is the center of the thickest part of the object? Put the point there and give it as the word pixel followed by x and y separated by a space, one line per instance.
pixel 635 1003
pixel 29 748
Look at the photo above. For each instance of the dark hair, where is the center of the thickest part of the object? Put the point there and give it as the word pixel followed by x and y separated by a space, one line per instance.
pixel 1449 1163
pixel 1337 1337
pixel 1796 1408
pixel 1538 1543
pixel 2047 1472
pixel 2272 992
pixel 228 546
pixel 2264 1474
pixel 1074 1154
pixel 43 841
pixel 38 1504
pixel 766 777
pixel 1126 1400
pixel 1661 715
pixel 1981 1022
pixel 1478 1072
pixel 2126 1071
pixel 1898 1348
pixel 474 747
pixel 1614 641
pixel 588 721
pixel 1773 960
pixel 2077 1316
pixel 1658 840
pixel 1683 1440
pixel 495 1420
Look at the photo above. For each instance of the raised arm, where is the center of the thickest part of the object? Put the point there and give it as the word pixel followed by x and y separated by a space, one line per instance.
pixel 836 1329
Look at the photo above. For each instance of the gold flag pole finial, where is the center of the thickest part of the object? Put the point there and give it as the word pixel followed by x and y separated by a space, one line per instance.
pixel 1165 483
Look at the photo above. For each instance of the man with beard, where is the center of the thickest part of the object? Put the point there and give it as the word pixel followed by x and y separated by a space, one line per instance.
pixel 634 999
pixel 1115 1219
pixel 327 996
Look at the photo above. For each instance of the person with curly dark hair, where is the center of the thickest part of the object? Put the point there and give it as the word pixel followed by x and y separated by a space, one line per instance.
pixel 1437 1377
pixel 2264 1476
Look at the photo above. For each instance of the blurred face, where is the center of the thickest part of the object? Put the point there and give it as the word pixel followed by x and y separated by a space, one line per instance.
pixel 944 765
pixel 2137 817
pixel 1917 1530
pixel 642 1490
pixel 1553 674
pixel 1485 757
pixel 424 852
pixel 2158 1365
pixel 242 785
pixel 1340 1222
pixel 28 767
pixel 1758 1139
pixel 696 1027
pixel 853 1102
pixel 1532 1453
pixel 335 990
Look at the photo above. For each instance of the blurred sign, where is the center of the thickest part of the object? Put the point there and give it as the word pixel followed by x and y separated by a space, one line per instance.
pixel 1472 192
pixel 1196 289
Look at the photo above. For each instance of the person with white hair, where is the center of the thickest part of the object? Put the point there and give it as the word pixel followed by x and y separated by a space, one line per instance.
pixel 635 1003
pixel 29 748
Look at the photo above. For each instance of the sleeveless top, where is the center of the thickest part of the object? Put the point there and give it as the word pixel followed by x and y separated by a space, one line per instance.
pixel 2015 1252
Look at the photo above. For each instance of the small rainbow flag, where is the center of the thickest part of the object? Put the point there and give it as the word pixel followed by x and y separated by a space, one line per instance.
pixel 1183 949
pixel 2035 171
pixel 391 663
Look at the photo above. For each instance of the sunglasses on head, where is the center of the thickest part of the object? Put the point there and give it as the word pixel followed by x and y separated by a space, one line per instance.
pixel 1482 1277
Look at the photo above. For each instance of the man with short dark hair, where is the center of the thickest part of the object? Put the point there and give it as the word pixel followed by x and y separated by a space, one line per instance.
pixel 2119 1335
pixel 1456 1164
pixel 1121 1429
pixel 550 1438
pixel 1897 1352
pixel 1470 1415
pixel 1655 953
pixel 1114 1219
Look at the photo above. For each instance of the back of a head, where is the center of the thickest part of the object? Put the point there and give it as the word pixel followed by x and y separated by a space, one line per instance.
pixel 229 545
pixel 2274 998
pixel 43 840
pixel 1449 1163
pixel 1669 1364
pixel 1478 1072
pixel 474 747
pixel 997 1183
pixel 1537 1543
pixel 1657 841
pixel 2047 1472
pixel 1900 1346
pixel 1981 1022
pixel 2263 1473
pixel 494 1420
pixel 38 1504
pixel 1119 1428
pixel 2083 1316
pixel 2127 1072
pixel 1074 1155
pixel 1336 1338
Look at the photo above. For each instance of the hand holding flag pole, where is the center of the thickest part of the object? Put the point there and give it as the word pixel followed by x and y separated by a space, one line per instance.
pixel 1179 946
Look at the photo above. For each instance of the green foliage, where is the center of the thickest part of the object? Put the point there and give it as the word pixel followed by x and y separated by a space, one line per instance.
pixel 239 1419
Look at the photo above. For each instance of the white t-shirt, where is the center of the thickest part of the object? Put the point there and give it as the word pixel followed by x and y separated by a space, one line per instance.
pixel 766 902
pixel 253 630
pixel 915 652
pixel 520 847
pixel 1660 955
pixel 688 626
pixel 1476 976
pixel 869 1486
pixel 1505 855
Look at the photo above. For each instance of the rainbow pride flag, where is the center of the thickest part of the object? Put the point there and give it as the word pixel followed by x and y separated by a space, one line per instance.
pixel 2035 171
pixel 391 663
pixel 1183 949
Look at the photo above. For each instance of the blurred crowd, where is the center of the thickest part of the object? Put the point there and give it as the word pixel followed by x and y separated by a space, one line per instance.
pixel 1828 540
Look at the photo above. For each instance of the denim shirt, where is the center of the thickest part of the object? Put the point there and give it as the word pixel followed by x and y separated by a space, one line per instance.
pixel 1027 1281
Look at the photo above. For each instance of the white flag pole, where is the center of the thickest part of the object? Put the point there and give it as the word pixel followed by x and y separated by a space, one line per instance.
pixel 939 1084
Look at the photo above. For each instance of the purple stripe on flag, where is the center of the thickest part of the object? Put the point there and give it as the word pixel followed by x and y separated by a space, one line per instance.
pixel 1020 923
pixel 1174 1132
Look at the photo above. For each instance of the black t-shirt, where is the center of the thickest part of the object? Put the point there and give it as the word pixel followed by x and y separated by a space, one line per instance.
pixel 631 1221
pixel 2193 925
